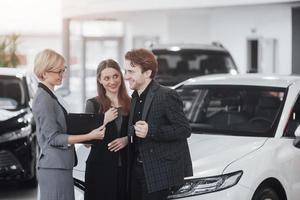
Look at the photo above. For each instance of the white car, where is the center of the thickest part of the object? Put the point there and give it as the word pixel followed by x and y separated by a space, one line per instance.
pixel 245 142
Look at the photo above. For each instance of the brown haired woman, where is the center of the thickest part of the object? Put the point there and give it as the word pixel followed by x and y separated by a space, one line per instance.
pixel 105 175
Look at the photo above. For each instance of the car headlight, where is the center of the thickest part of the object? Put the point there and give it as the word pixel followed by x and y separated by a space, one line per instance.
pixel 206 185
pixel 17 134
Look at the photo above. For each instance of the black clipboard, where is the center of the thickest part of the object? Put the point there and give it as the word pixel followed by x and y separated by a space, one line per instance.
pixel 82 123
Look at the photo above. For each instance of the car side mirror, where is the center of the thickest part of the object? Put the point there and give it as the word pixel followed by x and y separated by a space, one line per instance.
pixel 297 139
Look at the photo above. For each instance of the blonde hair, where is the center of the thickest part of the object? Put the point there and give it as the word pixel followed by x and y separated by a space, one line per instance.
pixel 46 60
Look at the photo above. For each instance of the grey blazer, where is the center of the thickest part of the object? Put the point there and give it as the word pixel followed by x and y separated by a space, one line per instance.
pixel 51 130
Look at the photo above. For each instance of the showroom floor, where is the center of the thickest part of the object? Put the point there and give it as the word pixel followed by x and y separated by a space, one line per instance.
pixel 13 192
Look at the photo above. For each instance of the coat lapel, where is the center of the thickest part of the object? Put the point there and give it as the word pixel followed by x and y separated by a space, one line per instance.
pixel 149 98
pixel 131 113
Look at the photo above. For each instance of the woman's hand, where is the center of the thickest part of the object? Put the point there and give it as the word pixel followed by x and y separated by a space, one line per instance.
pixel 118 144
pixel 98 133
pixel 110 115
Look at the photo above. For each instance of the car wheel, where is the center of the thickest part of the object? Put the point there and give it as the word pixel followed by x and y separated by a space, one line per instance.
pixel 265 193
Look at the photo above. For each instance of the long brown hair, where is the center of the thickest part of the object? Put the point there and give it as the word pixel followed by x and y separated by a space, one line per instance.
pixel 102 99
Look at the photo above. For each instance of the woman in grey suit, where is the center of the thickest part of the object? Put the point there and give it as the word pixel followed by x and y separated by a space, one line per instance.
pixel 57 158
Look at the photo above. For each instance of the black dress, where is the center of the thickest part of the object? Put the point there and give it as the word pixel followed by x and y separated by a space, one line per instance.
pixel 106 171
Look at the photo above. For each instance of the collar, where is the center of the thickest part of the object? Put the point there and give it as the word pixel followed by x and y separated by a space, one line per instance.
pixel 135 94
pixel 41 85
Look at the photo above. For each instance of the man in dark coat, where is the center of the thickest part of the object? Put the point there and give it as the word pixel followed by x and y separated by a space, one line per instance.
pixel 158 131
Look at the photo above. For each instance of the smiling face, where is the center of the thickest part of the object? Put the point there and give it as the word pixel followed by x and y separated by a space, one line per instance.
pixel 137 79
pixel 110 79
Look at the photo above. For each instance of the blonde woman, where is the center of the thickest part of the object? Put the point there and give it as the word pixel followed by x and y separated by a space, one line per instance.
pixel 57 157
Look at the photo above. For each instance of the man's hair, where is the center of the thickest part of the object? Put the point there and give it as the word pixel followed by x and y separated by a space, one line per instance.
pixel 143 58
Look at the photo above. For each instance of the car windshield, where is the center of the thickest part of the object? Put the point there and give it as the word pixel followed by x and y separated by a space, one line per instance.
pixel 177 66
pixel 233 110
pixel 11 93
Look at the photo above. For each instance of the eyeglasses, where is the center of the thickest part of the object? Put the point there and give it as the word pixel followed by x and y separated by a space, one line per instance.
pixel 60 72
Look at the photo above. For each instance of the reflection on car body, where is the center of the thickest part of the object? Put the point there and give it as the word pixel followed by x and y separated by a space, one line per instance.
pixel 18 148
pixel 243 144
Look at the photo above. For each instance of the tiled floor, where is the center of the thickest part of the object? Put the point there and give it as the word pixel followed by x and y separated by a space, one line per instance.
pixel 13 192
pixel 21 193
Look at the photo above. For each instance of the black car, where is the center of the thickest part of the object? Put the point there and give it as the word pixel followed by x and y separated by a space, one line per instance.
pixel 18 144
pixel 180 62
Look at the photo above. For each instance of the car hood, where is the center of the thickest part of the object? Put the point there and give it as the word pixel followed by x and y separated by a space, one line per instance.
pixel 12 120
pixel 211 154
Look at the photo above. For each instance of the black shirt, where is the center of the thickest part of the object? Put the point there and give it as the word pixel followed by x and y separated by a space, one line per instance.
pixel 138 110
pixel 139 105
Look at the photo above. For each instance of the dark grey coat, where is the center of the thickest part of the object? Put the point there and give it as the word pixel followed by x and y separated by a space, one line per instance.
pixel 165 150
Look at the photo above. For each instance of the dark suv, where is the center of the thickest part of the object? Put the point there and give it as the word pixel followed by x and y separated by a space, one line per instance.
pixel 18 146
pixel 181 62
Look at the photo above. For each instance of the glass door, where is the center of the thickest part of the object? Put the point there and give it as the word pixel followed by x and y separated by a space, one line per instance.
pixel 96 51
pixel 87 53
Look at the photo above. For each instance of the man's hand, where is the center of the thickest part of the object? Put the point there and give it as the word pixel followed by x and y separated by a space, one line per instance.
pixel 141 129
pixel 118 144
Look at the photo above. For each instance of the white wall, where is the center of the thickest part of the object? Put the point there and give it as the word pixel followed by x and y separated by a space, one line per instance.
pixel 85 8
pixel 31 45
pixel 189 27
pixel 146 24
pixel 38 22
pixel 30 16
pixel 231 26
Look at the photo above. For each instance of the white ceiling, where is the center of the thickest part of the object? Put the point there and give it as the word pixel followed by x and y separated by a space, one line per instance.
pixel 31 16
pixel 96 8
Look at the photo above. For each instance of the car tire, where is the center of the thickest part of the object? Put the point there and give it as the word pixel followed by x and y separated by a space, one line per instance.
pixel 265 193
